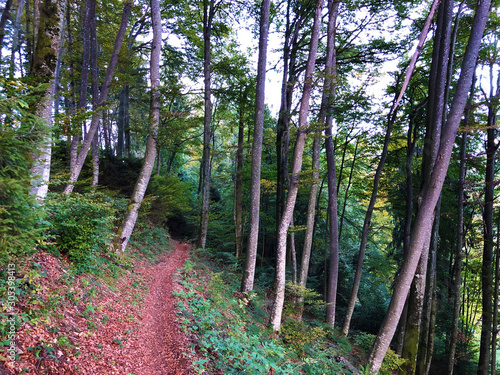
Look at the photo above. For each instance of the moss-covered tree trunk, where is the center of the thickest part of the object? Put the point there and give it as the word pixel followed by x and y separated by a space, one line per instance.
pixel 42 72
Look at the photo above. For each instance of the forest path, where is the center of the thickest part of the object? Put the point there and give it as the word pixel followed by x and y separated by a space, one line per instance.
pixel 160 338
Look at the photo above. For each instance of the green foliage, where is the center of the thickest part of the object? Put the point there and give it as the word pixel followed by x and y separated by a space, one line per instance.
pixel 171 198
pixel 150 240
pixel 300 335
pixel 392 361
pixel 20 135
pixel 229 330
pixel 81 225
pixel 310 299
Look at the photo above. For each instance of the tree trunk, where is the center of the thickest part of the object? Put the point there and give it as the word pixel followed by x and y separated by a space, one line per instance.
pixel 459 255
pixel 43 69
pixel 123 235
pixel 16 44
pixel 277 310
pixel 366 225
pixel 253 236
pixel 423 222
pixel 488 245
pixel 122 122
pixel 346 193
pixel 329 89
pixel 208 14
pixel 3 22
pixel 437 94
pixel 82 155
pixel 424 355
pixel 238 182
pixel 95 159
pixel 495 304
pixel 311 212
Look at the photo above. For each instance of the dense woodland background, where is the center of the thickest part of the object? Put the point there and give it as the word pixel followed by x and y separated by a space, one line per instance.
pixel 344 189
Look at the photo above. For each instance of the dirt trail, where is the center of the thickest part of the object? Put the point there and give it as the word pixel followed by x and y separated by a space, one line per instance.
pixel 160 340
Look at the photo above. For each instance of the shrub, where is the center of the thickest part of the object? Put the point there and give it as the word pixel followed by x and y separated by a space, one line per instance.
pixel 81 225
pixel 20 135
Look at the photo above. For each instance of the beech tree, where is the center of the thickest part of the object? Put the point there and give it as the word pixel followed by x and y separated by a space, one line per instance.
pixel 424 220
pixel 123 235
pixel 42 71
pixel 275 319
pixel 251 252
pixel 103 95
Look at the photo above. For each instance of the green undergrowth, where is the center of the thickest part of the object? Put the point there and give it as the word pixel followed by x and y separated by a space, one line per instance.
pixel 229 330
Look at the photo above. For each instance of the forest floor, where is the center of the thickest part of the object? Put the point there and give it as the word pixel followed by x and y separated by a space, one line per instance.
pixel 125 325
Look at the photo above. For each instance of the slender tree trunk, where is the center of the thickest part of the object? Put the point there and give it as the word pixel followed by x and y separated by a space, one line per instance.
pixel 253 236
pixel 437 94
pixel 457 274
pixel 95 159
pixel 311 212
pixel 82 155
pixel 238 183
pixel 366 227
pixel 208 15
pixel 282 126
pixel 277 310
pixel 16 38
pixel 122 121
pixel 346 193
pixel 410 142
pixel 369 212
pixel 123 235
pixel 487 267
pixel 43 69
pixel 329 89
pixel 495 303
pixel 57 73
pixel 3 21
pixel 424 355
pixel 423 223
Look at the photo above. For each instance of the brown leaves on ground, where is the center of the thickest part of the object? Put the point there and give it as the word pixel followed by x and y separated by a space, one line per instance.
pixel 89 326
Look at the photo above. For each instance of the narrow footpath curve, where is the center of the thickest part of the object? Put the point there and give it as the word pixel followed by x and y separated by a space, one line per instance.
pixel 160 341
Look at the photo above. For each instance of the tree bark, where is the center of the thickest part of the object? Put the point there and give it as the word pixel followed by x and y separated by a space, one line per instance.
pixel 369 212
pixel 258 133
pixel 423 223
pixel 208 16
pixel 238 182
pixel 346 193
pixel 457 280
pixel 488 246
pixel 3 21
pixel 277 310
pixel 495 303
pixel 437 95
pixel 329 89
pixel 311 212
pixel 82 155
pixel 43 69
pixel 123 235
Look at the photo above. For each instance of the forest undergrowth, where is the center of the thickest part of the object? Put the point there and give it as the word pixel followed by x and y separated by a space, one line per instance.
pixel 72 318
pixel 229 330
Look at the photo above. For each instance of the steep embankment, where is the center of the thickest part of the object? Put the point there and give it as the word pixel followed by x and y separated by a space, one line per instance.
pixel 88 325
